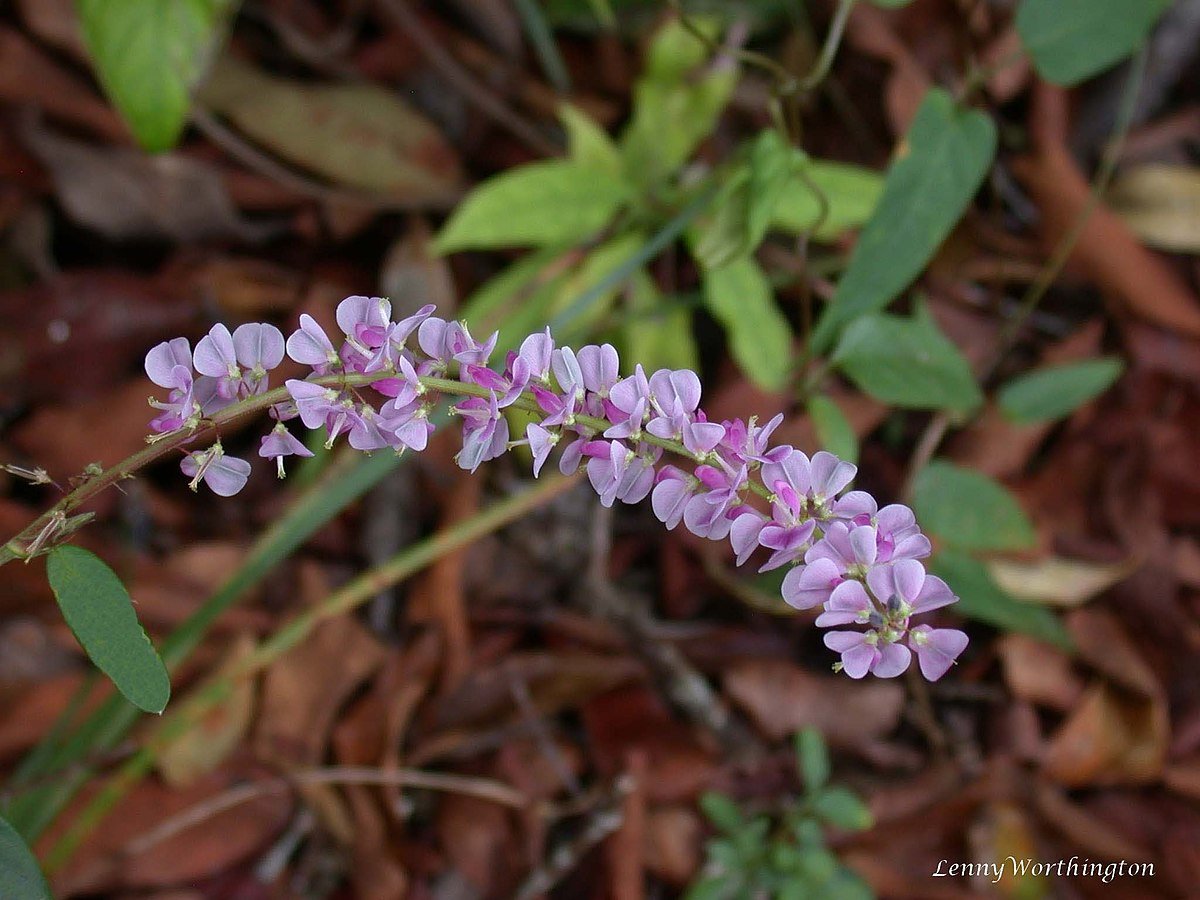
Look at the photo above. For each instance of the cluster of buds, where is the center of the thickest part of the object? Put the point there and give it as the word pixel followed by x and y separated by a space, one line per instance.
pixel 858 562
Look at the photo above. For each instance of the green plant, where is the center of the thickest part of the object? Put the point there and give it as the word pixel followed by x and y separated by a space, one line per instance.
pixel 784 855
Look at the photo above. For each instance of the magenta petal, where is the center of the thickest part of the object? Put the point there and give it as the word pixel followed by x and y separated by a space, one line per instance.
pixel 215 353
pixel 162 360
pixel 909 576
pixel 934 594
pixel 893 660
pixel 864 545
pixel 743 535
pixel 807 586
pixel 309 346
pixel 668 500
pixel 937 649
pixel 258 344
pixel 227 475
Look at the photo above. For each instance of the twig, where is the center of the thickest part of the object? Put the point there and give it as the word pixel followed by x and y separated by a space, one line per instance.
pixel 462 80
pixel 563 858
pixel 483 788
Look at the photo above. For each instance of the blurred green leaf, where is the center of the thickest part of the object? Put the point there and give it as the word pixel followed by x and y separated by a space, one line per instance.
pixel 850 192
pixel 588 144
pixel 743 209
pixel 674 109
pixel 516 302
pixel 552 202
pixel 656 332
pixel 937 170
pixel 980 598
pixel 834 431
pixel 20 876
pixel 722 812
pixel 592 273
pixel 1056 391
pixel 356 134
pixel 148 54
pixel 1070 40
pixel 100 613
pixel 891 4
pixel 969 510
pixel 906 362
pixel 842 808
pixel 760 338
pixel 812 758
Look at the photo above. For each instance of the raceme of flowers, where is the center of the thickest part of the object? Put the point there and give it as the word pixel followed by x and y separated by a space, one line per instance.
pixel 380 381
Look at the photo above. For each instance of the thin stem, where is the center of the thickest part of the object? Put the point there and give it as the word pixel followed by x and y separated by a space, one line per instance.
pixel 829 49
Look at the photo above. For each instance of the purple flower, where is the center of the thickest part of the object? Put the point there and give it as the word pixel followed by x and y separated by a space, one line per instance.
pixel 907 590
pixel 705 514
pixel 485 431
pixel 865 652
pixel 320 405
pixel 310 346
pixel 744 534
pixel 225 475
pixel 896 530
pixel 408 423
pixel 812 585
pixel 280 443
pixel 536 350
pixel 541 442
pixel 671 494
pixel 936 649
pixel 169 365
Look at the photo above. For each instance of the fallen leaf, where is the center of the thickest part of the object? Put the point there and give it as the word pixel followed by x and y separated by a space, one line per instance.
pixel 358 135
pixel 56 23
pixel 1039 672
pixel 1083 828
pixel 1161 203
pixel 304 690
pixel 1111 737
pixel 1106 249
pixel 28 76
pixel 673 842
pixel 1101 640
pixel 1055 581
pixel 636 719
pixel 126 194
pixel 781 698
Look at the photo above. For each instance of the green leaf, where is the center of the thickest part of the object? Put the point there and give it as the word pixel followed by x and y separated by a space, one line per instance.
pixel 656 331
pixel 148 54
pixel 891 4
pixel 980 598
pixel 842 808
pixel 745 206
pixel 907 362
pixel 967 509
pixel 1056 391
pixel 516 301
pixel 812 758
pixel 672 110
pixel 760 338
pixel 722 812
pixel 20 876
pixel 553 202
pixel 591 274
pixel 833 429
pixel 1071 40
pixel 936 172
pixel 100 613
pixel 587 143
pixel 851 194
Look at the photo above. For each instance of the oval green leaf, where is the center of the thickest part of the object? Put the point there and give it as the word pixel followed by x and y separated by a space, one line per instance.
pixel 941 163
pixel 907 362
pixel 20 876
pixel 740 297
pixel 545 203
pixel 100 613
pixel 148 54
pixel 834 431
pixel 1056 391
pixel 1071 40
pixel 966 509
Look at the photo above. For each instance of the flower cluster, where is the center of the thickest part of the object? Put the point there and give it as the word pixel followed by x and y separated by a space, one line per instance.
pixel 380 381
